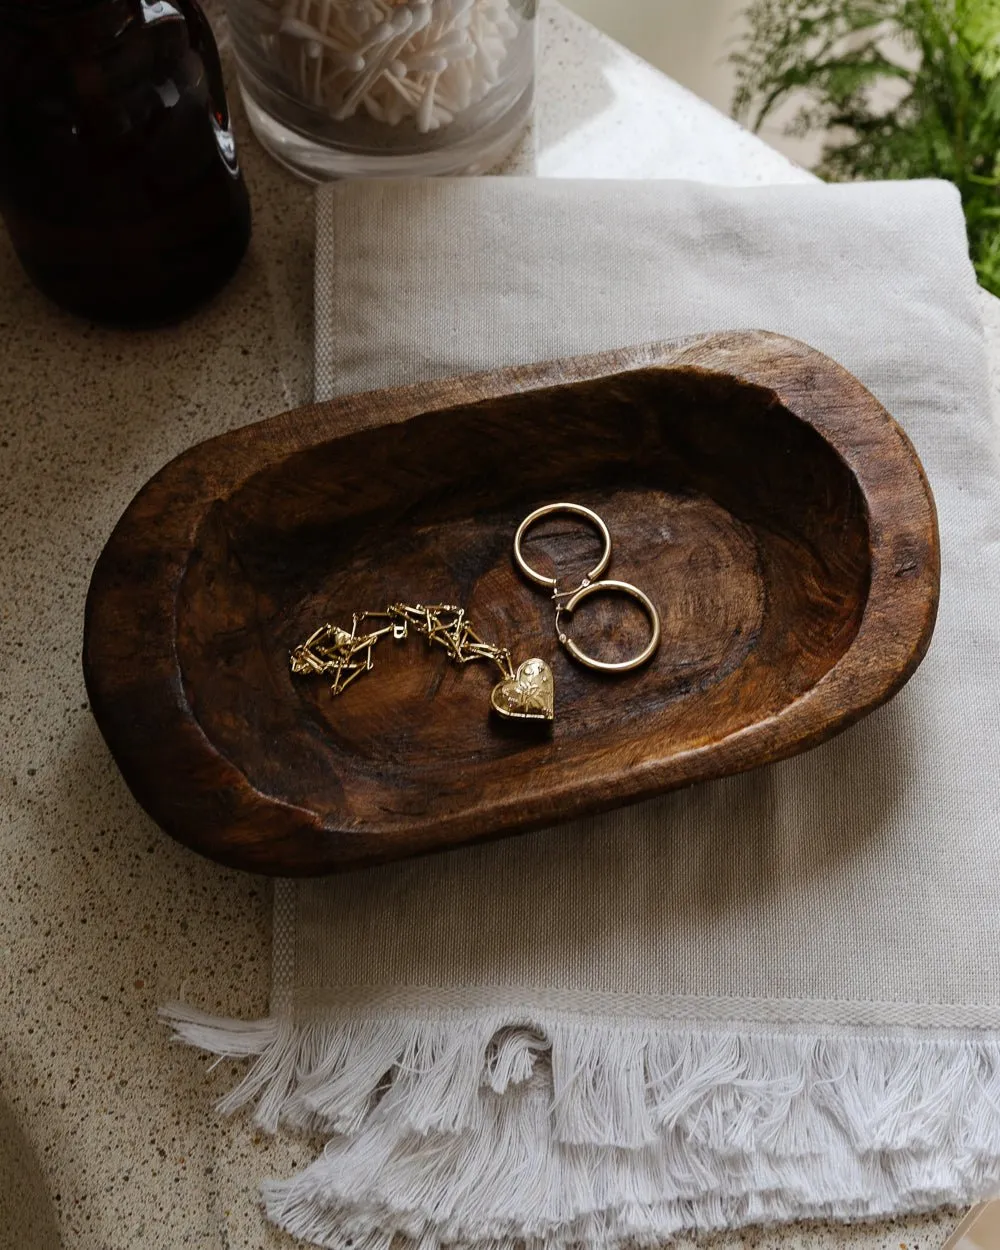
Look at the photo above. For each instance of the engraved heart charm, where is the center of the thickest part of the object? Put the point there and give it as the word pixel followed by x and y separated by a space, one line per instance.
pixel 528 695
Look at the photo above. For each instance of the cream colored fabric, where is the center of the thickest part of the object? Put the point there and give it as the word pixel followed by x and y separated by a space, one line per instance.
pixel 773 996
pixel 860 882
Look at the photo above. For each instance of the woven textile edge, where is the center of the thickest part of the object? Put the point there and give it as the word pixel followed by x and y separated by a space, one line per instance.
pixel 482 1131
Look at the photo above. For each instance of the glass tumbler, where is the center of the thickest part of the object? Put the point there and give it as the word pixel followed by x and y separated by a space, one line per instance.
pixel 337 88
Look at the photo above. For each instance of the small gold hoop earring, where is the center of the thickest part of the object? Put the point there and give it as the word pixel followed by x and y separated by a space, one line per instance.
pixel 549 509
pixel 610 587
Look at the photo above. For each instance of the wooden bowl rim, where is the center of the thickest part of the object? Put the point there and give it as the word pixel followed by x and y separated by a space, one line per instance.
pixel 229 820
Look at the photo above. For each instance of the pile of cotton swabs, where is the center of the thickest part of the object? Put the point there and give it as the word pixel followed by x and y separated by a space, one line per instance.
pixel 429 61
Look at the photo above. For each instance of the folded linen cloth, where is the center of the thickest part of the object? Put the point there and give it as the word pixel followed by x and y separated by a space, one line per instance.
pixel 770 997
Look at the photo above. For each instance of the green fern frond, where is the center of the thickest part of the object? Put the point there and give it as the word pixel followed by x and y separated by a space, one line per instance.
pixel 942 59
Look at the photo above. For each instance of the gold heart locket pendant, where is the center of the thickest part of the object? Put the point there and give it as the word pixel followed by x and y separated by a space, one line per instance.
pixel 528 695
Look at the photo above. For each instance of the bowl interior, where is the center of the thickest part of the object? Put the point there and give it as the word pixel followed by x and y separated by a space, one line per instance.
pixel 742 524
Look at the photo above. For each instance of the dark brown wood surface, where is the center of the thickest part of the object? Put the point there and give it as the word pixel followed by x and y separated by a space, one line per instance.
pixel 774 512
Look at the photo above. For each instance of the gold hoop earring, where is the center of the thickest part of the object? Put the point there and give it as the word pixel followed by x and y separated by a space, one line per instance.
pixel 575 509
pixel 611 587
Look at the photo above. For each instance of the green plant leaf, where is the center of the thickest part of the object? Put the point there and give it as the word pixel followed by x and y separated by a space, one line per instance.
pixel 898 88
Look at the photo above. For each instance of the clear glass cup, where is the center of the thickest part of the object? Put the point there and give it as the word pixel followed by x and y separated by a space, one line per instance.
pixel 338 88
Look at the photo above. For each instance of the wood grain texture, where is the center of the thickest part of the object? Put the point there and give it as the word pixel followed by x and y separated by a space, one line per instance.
pixel 774 512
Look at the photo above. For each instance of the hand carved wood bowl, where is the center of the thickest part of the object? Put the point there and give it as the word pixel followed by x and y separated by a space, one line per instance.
pixel 773 511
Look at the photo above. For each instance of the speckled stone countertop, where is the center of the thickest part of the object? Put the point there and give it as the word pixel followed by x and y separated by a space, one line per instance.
pixel 106 1128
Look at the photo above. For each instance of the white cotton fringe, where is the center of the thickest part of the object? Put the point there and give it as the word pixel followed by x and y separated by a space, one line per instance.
pixel 466 1131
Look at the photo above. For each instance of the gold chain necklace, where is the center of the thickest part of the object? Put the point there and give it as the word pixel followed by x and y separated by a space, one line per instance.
pixel 525 693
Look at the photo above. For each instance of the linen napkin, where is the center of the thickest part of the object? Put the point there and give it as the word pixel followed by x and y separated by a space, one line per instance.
pixel 770 997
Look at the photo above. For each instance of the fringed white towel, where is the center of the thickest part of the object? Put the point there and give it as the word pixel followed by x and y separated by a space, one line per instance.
pixel 772 997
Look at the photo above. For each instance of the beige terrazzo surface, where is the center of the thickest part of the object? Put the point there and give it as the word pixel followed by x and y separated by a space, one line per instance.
pixel 102 917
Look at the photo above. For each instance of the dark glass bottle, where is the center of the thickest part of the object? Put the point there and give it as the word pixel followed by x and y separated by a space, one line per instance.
pixel 118 174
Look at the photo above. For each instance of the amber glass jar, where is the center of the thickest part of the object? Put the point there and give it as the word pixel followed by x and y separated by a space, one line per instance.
pixel 119 182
